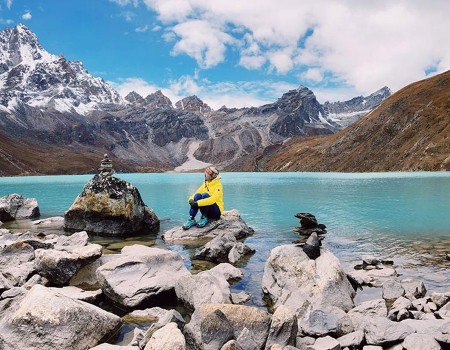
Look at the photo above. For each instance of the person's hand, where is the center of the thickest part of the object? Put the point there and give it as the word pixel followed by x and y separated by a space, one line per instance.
pixel 193 204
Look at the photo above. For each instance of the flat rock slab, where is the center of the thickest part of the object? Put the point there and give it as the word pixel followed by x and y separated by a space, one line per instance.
pixel 47 320
pixel 229 223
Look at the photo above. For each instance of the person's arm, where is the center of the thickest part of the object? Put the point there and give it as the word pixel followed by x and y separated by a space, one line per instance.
pixel 214 197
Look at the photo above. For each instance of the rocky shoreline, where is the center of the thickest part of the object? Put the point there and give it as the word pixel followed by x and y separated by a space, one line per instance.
pixel 311 301
pixel 60 291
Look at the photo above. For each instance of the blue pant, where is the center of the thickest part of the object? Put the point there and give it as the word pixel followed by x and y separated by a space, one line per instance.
pixel 210 211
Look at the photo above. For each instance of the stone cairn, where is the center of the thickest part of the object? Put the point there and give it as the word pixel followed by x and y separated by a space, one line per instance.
pixel 106 168
pixel 312 234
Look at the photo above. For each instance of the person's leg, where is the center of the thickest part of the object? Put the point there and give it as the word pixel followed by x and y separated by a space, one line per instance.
pixel 192 213
pixel 211 211
pixel 208 212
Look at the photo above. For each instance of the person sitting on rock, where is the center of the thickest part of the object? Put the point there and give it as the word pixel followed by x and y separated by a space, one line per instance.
pixel 208 198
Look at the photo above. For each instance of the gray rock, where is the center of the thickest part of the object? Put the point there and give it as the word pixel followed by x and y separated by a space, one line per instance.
pixel 158 318
pixel 322 321
pixel 402 303
pixel 106 346
pixel 190 289
pixel 54 223
pixel 5 284
pixel 60 266
pixel 72 242
pixel 229 223
pixel 15 206
pixel 45 320
pixel 228 271
pixel 381 331
pixel 414 288
pixel 283 328
pixel 240 298
pixel 375 277
pixel 168 337
pixel 139 274
pixel 420 341
pixel 231 345
pixel 246 340
pixel 110 206
pixel 433 327
pixel 351 340
pixel 89 296
pixel 370 260
pixel 367 309
pixel 440 299
pixel 217 249
pixel 216 330
pixel 291 278
pixel 239 316
pixel 16 262
pixel 444 311
pixel 326 343
pixel 392 290
pixel 238 251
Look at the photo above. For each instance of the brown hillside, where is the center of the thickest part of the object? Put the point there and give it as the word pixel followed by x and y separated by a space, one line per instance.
pixel 23 157
pixel 410 131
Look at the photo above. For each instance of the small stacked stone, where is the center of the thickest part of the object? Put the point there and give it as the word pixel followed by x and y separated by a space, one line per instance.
pixel 106 168
pixel 312 234
pixel 309 225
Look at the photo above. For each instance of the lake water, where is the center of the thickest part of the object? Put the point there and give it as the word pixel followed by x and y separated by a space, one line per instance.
pixel 402 216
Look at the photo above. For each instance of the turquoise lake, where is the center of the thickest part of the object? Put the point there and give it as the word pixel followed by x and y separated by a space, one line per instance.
pixel 402 216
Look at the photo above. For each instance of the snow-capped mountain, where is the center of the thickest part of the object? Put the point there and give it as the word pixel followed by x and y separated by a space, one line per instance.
pixel 31 76
pixel 346 113
pixel 58 105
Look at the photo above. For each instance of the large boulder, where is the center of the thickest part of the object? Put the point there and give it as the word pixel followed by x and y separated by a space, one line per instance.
pixel 203 288
pixel 16 262
pixel 139 274
pixel 292 279
pixel 14 206
pixel 229 223
pixel 45 320
pixel 381 331
pixel 228 321
pixel 110 206
pixel 60 266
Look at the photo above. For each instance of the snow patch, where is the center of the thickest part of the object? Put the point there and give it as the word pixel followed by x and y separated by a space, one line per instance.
pixel 192 163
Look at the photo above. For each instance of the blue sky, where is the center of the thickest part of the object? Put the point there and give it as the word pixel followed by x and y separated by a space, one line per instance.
pixel 243 53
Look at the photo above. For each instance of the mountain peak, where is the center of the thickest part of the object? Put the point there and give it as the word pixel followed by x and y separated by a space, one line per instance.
pixel 29 75
pixel 158 100
pixel 193 104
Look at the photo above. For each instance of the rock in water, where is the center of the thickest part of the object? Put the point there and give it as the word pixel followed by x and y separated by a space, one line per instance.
pixel 110 206
pixel 15 206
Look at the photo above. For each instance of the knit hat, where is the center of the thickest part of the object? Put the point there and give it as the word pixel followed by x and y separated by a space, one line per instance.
pixel 211 173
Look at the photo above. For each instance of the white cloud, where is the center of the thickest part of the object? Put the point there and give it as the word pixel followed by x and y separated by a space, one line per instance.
pixel 142 29
pixel 313 75
pixel 252 62
pixel 27 16
pixel 364 44
pixel 9 3
pixel 201 40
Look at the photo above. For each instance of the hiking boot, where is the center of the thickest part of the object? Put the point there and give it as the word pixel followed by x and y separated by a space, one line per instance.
pixel 202 222
pixel 189 223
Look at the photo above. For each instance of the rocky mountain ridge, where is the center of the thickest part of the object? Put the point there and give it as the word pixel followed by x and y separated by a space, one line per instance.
pixel 407 132
pixel 51 103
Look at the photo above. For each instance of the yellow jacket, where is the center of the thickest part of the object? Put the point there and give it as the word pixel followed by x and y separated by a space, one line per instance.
pixel 214 189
